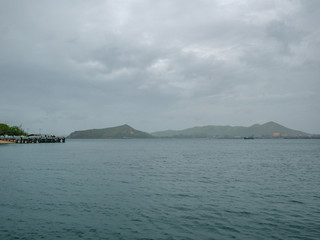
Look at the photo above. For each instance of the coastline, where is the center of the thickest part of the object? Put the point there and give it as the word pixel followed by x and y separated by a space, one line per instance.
pixel 5 141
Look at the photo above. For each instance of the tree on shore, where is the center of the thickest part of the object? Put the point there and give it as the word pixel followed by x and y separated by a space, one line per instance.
pixel 11 131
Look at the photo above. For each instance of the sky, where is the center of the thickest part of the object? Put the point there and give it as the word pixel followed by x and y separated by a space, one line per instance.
pixel 71 65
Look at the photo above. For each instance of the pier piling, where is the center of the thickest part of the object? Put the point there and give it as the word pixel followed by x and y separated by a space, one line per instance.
pixel 32 139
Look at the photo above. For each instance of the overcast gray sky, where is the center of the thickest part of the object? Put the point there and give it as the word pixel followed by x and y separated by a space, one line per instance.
pixel 159 64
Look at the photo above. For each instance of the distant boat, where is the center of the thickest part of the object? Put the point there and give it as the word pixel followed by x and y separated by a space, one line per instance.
pixel 248 138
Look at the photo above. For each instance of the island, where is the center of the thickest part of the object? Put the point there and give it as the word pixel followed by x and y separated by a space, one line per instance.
pixel 266 130
pixel 119 132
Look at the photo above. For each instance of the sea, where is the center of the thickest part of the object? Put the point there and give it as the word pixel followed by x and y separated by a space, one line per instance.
pixel 161 189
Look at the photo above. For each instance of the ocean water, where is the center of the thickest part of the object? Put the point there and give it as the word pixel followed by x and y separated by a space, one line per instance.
pixel 161 189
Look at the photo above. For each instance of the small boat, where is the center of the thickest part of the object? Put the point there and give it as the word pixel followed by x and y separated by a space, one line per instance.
pixel 248 138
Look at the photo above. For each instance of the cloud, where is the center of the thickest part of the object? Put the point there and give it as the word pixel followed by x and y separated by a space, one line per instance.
pixel 71 65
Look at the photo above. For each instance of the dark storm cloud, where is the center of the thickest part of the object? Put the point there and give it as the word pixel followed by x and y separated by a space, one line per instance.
pixel 69 65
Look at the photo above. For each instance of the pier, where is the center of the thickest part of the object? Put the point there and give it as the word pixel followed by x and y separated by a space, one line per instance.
pixel 32 139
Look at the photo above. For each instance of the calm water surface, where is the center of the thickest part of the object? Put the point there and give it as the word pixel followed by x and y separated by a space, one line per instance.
pixel 161 189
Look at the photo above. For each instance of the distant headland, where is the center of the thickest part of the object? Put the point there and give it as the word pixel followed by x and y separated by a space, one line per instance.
pixel 266 130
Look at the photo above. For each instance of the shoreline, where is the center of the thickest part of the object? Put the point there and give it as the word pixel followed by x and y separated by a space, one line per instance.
pixel 32 139
pixel 5 141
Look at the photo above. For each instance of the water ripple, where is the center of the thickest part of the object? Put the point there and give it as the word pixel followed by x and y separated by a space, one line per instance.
pixel 161 189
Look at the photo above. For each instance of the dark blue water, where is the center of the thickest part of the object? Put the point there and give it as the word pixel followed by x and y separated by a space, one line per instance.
pixel 161 189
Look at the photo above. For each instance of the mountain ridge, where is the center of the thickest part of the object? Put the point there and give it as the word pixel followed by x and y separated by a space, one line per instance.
pixel 266 130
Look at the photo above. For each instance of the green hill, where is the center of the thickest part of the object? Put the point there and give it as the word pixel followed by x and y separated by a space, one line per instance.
pixel 124 131
pixel 266 130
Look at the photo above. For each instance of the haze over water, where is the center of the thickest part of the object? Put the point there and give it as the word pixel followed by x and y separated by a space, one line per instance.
pixel 161 189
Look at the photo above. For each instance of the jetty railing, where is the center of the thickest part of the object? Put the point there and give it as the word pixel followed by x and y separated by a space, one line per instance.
pixel 33 139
